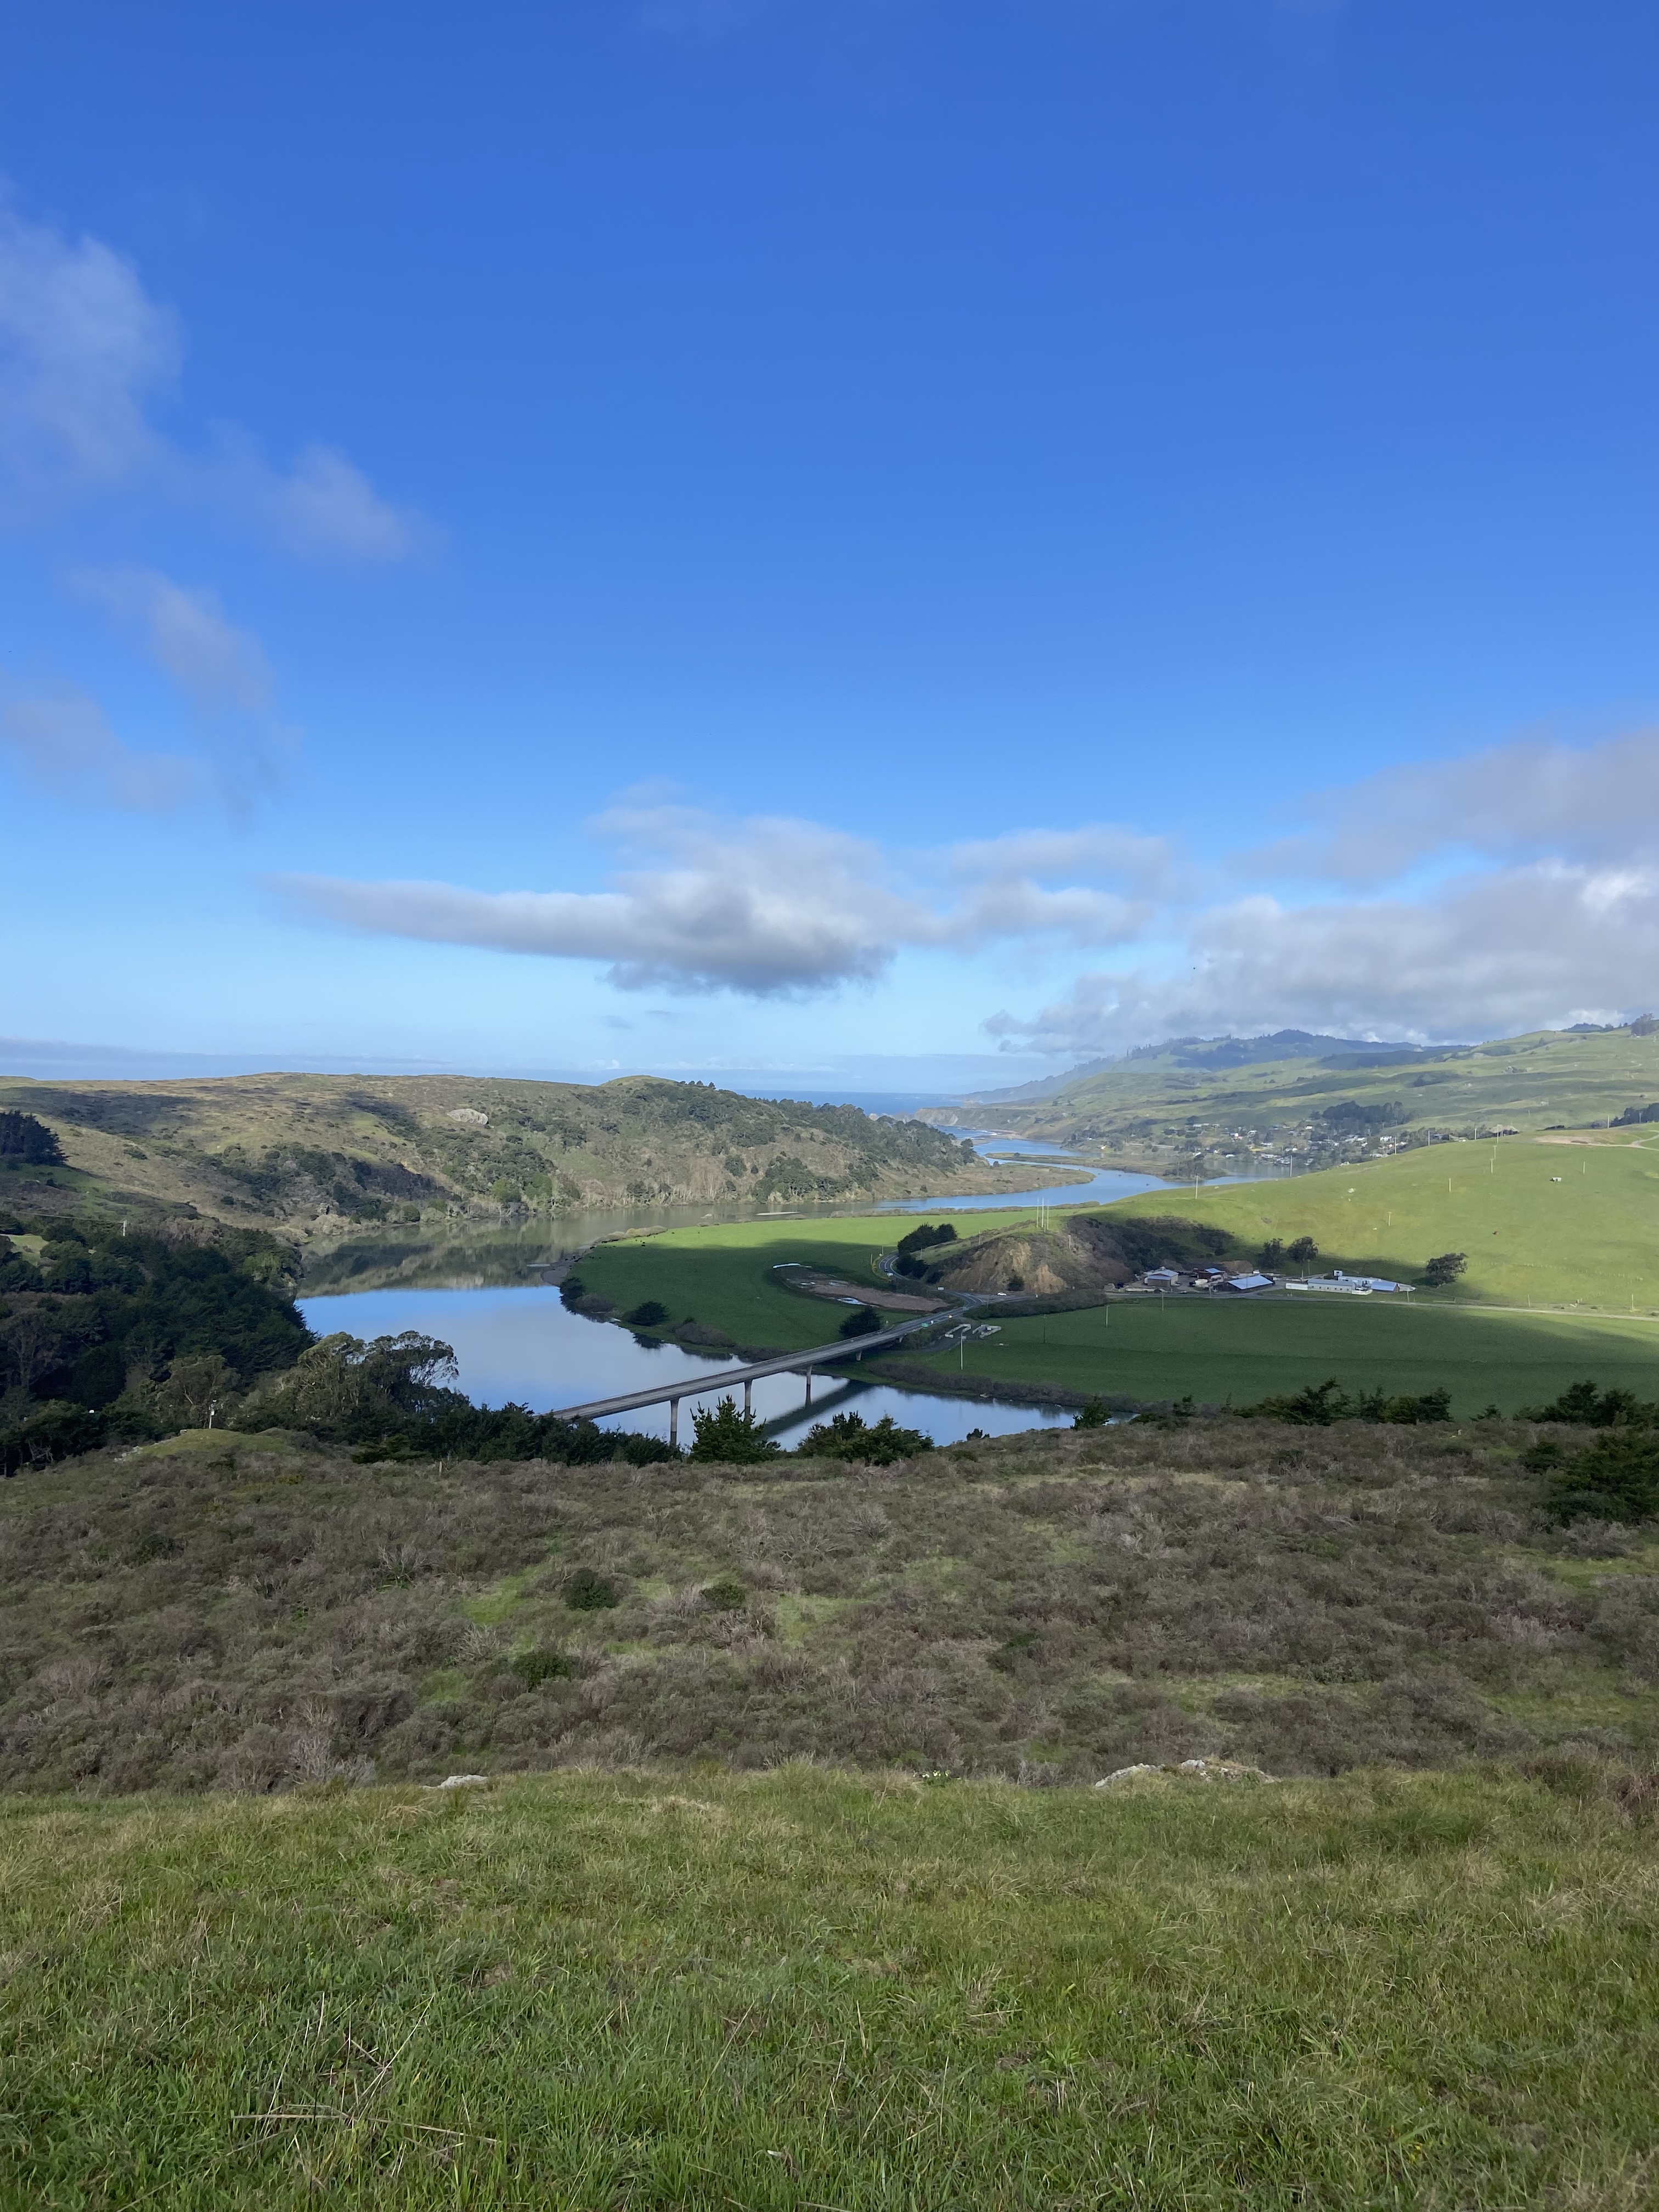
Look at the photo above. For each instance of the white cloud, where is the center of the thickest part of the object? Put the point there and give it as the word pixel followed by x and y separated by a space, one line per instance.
pixel 64 743
pixel 186 631
pixel 323 508
pixel 764 907
pixel 1516 948
pixel 82 350
pixel 85 353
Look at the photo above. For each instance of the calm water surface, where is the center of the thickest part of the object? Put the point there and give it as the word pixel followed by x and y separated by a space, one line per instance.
pixel 514 1340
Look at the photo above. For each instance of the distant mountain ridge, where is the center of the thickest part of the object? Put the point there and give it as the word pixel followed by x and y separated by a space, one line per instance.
pixel 1214 1053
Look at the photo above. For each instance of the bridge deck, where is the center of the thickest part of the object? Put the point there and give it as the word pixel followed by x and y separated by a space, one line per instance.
pixel 722 1378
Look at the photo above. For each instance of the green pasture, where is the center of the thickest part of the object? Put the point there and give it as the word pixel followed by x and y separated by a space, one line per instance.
pixel 1542 1223
pixel 724 1274
pixel 695 1991
pixel 1219 1348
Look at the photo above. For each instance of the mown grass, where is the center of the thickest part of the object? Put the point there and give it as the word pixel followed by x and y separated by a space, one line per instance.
pixel 805 1990
pixel 1233 1349
pixel 1548 1224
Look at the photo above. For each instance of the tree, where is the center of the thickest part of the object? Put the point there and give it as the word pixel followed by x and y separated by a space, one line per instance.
pixel 1444 1267
pixel 864 1321
pixel 648 1314
pixel 847 1437
pixel 1616 1480
pixel 1273 1252
pixel 24 1137
pixel 728 1437
pixel 1303 1250
pixel 1092 1415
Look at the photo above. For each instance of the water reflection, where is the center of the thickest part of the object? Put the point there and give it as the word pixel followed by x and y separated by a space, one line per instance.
pixel 517 1344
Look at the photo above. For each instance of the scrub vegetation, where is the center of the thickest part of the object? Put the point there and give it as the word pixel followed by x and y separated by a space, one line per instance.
pixel 319 1155
pixel 249 1612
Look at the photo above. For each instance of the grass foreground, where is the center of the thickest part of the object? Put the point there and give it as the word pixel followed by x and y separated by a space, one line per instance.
pixel 801 1988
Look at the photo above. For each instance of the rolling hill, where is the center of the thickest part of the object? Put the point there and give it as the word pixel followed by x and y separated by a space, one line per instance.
pixel 317 1156
pixel 1192 1111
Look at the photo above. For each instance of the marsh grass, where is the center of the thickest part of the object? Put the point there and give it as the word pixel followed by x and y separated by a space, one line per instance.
pixel 805 1988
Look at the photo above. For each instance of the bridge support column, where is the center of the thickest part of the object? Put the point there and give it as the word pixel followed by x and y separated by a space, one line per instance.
pixel 748 1393
pixel 673 1420
pixel 809 1387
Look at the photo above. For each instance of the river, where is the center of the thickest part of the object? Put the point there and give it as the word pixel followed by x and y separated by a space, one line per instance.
pixel 514 1340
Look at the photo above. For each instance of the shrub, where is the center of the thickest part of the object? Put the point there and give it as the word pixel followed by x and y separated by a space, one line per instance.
pixel 865 1322
pixel 542 1664
pixel 648 1314
pixel 728 1595
pixel 847 1437
pixel 1586 1408
pixel 1617 1478
pixel 1091 1415
pixel 588 1592
pixel 572 1289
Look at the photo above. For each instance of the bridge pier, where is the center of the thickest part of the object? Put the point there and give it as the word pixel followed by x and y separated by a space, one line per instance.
pixel 748 1392
pixel 674 1421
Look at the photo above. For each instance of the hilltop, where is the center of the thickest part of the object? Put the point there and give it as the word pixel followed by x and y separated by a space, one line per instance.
pixel 316 1155
pixel 1191 1110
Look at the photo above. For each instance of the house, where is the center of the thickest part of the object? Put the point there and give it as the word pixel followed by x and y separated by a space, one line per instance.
pixel 1161 1278
pixel 1358 1286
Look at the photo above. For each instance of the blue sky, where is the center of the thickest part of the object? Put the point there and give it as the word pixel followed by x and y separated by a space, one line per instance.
pixel 876 536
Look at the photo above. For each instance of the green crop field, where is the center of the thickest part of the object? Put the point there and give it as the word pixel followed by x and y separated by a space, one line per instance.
pixel 1542 1223
pixel 725 1274
pixel 1217 1350
pixel 801 1988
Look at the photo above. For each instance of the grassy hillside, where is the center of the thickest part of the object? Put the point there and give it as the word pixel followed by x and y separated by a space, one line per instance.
pixel 1542 1223
pixel 252 1612
pixel 1174 1117
pixel 802 1989
pixel 315 1155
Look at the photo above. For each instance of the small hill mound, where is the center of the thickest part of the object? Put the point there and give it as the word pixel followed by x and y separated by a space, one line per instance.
pixel 1086 1252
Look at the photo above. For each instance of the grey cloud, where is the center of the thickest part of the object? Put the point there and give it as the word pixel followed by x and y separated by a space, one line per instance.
pixel 187 632
pixel 84 353
pixel 1530 798
pixel 64 743
pixel 1522 948
pixel 766 907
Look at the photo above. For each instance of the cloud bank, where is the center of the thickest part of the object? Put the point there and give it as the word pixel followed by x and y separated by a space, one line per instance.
pixel 1545 909
pixel 766 907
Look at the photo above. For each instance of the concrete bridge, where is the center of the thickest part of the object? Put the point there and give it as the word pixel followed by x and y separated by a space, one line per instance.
pixel 722 1379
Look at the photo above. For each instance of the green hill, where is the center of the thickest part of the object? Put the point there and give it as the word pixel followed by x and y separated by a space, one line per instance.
pixel 1543 1224
pixel 316 1156
pixel 1174 1113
